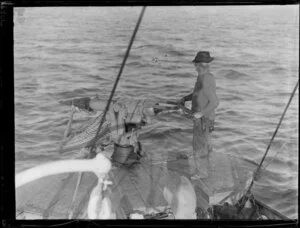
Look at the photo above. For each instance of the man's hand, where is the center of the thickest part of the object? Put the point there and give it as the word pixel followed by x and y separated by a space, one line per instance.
pixel 197 115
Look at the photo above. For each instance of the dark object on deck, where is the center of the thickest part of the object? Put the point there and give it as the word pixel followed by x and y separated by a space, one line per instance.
pixel 227 211
pixel 82 103
pixel 129 127
pixel 121 153
pixel 257 211
pixel 182 156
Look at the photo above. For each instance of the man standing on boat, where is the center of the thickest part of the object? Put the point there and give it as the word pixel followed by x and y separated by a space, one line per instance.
pixel 204 102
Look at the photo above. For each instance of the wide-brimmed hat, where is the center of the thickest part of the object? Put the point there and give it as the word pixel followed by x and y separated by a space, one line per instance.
pixel 203 57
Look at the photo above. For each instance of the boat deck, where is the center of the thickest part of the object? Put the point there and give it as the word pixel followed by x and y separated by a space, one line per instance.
pixel 136 187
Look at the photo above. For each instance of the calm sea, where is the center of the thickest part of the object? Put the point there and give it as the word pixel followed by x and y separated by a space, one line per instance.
pixel 64 53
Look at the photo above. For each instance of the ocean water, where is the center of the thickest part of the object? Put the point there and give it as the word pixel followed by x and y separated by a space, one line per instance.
pixel 63 53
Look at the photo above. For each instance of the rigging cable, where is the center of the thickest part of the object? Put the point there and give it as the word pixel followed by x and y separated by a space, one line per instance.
pixel 255 175
pixel 274 134
pixel 92 143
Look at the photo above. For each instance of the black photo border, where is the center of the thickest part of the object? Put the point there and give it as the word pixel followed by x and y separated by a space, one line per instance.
pixel 7 143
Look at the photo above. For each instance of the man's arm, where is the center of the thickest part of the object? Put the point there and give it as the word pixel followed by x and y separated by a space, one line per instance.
pixel 186 98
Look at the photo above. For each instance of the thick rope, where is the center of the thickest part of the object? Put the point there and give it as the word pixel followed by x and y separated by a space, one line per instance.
pixel 92 143
pixel 245 197
pixel 71 211
pixel 274 134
